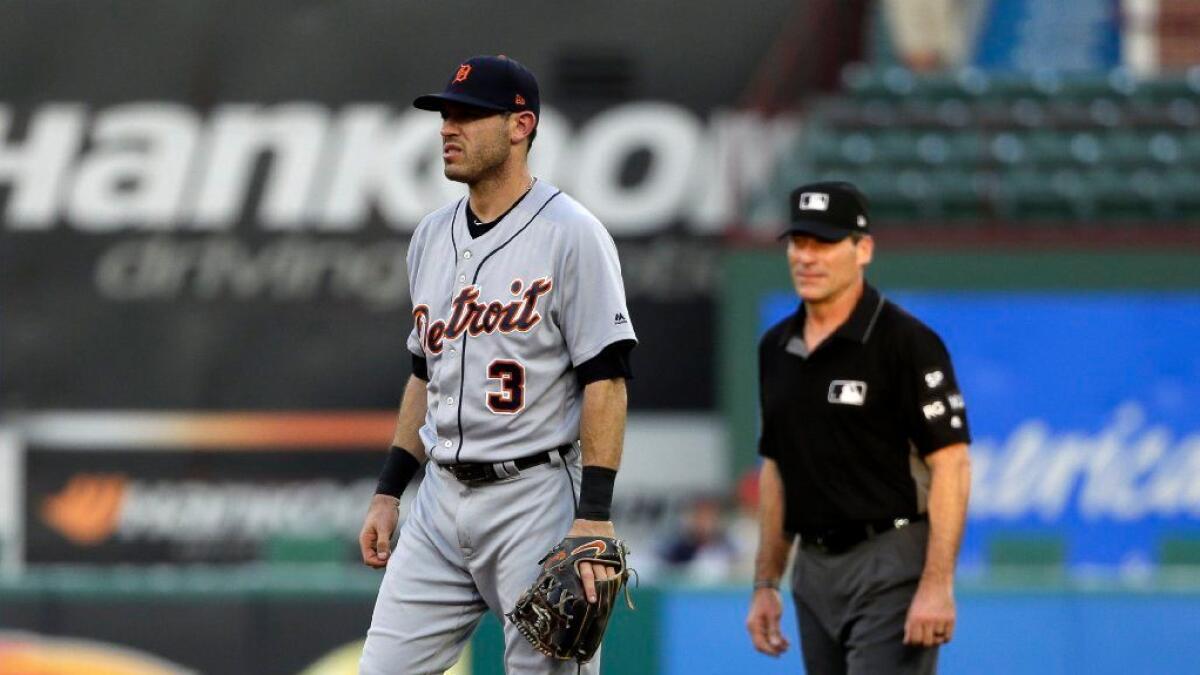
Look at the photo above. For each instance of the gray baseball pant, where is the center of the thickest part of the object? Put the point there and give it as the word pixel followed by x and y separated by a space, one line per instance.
pixel 852 606
pixel 463 550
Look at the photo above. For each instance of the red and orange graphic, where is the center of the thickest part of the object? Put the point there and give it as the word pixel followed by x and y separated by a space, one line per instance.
pixel 87 509
pixel 32 654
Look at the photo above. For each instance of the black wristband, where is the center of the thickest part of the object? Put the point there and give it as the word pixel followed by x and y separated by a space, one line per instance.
pixel 398 470
pixel 595 493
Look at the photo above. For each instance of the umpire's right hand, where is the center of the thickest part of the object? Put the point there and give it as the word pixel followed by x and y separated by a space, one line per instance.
pixel 763 622
pixel 376 536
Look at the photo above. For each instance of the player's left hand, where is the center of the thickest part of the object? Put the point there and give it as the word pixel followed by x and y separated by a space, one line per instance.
pixel 930 620
pixel 591 572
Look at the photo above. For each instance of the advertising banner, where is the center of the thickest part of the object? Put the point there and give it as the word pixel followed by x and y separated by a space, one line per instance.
pixel 1082 408
pixel 210 505
pixel 208 206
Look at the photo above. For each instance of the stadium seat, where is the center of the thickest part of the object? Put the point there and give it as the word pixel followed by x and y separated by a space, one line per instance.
pixel 1044 147
pixel 1028 194
pixel 1117 196
pixel 1179 551
pixel 283 549
pixel 1026 558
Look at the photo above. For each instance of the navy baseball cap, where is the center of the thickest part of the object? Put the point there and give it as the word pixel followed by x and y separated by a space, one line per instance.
pixel 830 211
pixel 489 82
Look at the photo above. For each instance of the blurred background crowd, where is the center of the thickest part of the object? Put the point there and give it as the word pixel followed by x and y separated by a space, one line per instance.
pixel 204 210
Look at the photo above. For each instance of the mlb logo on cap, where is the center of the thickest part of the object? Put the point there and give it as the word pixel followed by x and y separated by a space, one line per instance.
pixel 814 201
pixel 829 211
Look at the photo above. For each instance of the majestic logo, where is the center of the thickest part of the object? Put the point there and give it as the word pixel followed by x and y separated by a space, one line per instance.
pixel 619 319
pixel 476 318
pixel 464 71
pixel 87 509
pixel 814 201
pixel 848 392
pixel 934 378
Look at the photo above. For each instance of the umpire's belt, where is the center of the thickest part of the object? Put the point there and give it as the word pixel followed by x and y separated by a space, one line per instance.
pixel 480 472
pixel 842 538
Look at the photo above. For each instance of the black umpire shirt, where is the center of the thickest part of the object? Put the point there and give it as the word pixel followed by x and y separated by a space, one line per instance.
pixel 849 423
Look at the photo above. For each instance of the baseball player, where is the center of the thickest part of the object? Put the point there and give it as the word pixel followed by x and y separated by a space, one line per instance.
pixel 520 351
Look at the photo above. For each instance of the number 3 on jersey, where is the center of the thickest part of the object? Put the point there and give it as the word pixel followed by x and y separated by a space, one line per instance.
pixel 510 400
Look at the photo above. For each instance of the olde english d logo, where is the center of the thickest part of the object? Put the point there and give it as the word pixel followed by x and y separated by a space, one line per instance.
pixel 87 509
pixel 848 392
pixel 464 71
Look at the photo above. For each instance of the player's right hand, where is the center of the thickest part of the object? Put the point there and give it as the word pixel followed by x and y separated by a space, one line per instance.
pixel 376 536
pixel 766 610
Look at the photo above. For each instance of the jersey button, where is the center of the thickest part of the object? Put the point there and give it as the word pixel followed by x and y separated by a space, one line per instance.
pixel 462 278
pixel 449 400
pixel 466 255
pixel 453 350
pixel 447 444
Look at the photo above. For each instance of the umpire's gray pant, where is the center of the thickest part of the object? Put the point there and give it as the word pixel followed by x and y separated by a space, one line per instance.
pixel 464 550
pixel 852 605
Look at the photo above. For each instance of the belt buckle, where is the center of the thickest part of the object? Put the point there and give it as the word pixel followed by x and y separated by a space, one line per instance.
pixel 469 473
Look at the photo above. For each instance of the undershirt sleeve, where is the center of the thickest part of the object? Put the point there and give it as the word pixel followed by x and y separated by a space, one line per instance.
pixel 611 362
pixel 420 367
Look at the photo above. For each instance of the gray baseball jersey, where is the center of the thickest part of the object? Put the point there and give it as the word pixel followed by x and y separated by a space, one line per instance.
pixel 503 319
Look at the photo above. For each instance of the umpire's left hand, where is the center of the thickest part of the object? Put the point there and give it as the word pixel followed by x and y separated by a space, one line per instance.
pixel 930 620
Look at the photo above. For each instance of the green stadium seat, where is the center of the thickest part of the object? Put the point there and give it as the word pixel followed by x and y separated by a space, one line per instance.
pixel 820 146
pixel 1007 148
pixel 888 200
pixel 1028 194
pixel 961 195
pixel 1189 146
pixel 1180 551
pixel 1117 197
pixel 1027 559
pixel 1026 550
pixel 285 549
pixel 1180 189
pixel 1048 148
pixel 1127 148
pixel 896 146
pixel 864 82
pixel 1164 148
pixel 1087 148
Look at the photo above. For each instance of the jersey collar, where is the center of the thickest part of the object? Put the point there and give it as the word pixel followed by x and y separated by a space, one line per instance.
pixel 517 216
pixel 857 327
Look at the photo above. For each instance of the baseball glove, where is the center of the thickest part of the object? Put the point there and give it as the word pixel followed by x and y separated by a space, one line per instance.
pixel 554 614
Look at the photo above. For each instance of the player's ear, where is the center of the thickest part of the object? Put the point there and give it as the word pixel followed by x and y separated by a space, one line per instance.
pixel 521 126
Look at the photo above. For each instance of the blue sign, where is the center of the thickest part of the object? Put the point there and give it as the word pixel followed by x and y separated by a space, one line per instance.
pixel 1085 410
pixel 996 633
pixel 1031 35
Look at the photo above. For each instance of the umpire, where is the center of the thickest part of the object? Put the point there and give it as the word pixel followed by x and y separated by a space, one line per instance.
pixel 864 445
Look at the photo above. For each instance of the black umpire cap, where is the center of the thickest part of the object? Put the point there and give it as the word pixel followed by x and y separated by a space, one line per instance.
pixel 829 211
pixel 489 82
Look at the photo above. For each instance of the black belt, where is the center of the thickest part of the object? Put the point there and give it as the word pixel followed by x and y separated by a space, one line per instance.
pixel 840 538
pixel 480 472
